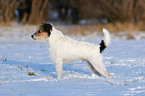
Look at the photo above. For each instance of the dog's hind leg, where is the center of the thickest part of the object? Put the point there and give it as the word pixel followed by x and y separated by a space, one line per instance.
pixel 97 66
pixel 92 69
pixel 59 68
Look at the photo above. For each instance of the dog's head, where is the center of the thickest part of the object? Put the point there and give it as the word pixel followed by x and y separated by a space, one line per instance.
pixel 43 31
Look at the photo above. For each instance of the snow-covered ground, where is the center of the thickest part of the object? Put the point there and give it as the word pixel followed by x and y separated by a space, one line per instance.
pixel 25 68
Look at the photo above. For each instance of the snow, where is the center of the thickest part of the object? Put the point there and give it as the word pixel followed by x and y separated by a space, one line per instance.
pixel 19 55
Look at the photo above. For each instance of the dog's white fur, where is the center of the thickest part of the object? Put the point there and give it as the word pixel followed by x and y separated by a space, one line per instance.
pixel 64 49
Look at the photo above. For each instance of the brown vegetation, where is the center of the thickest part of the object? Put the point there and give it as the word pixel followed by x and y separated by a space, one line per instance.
pixel 117 15
pixel 7 10
pixel 112 27
pixel 33 11
pixel 38 11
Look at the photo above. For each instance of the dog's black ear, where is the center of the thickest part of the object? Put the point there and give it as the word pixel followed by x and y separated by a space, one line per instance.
pixel 47 28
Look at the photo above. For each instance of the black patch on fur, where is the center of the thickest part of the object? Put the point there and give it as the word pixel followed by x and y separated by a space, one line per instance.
pixel 102 46
pixel 47 28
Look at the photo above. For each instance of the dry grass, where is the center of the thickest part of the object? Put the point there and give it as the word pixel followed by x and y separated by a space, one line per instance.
pixel 119 27
pixel 78 29
pixel 113 28
pixel 84 30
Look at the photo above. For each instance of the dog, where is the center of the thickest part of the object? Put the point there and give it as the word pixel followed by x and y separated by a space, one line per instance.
pixel 64 50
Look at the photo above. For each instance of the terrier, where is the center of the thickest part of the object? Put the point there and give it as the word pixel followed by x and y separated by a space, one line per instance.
pixel 64 49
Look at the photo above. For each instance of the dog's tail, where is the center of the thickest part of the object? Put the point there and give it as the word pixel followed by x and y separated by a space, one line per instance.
pixel 104 43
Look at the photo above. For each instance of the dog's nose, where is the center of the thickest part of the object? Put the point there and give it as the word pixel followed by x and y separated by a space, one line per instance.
pixel 32 36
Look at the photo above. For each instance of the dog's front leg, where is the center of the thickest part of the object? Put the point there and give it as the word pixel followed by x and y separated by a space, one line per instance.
pixel 58 67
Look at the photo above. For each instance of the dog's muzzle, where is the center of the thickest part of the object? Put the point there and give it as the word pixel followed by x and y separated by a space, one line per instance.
pixel 33 36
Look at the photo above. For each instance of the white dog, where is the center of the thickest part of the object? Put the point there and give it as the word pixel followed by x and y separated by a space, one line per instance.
pixel 64 49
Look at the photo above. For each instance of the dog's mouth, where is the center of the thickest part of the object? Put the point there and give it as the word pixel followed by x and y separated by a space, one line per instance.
pixel 35 37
